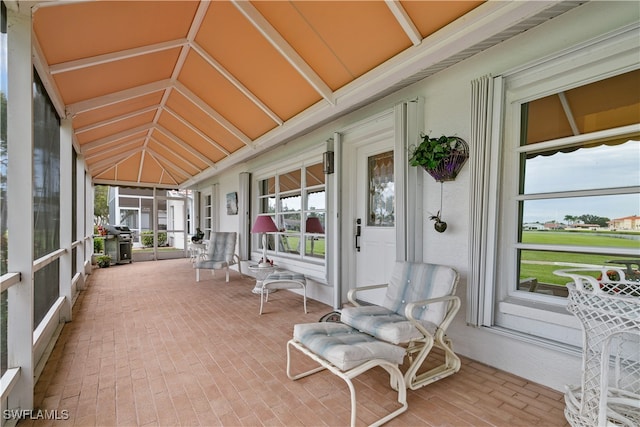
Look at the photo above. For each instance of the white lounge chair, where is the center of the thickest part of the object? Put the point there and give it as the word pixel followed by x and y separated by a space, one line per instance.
pixel 220 254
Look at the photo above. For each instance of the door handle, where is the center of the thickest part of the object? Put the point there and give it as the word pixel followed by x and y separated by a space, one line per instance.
pixel 358 230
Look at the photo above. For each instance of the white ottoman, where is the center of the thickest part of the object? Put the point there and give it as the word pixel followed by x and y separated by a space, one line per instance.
pixel 283 280
pixel 347 353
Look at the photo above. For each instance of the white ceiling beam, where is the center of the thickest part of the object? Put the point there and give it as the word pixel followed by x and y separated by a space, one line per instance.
pixel 114 98
pixel 114 138
pixel 405 21
pixel 173 153
pixel 166 132
pixel 213 113
pixel 106 58
pixel 161 159
pixel 197 131
pixel 49 83
pixel 237 83
pixel 285 49
pixel 141 165
pixel 569 113
pixel 116 119
pixel 103 165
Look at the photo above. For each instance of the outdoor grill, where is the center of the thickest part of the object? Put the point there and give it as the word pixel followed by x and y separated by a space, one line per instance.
pixel 118 243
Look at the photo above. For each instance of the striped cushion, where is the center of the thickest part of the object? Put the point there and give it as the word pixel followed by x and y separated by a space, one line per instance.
pixel 383 323
pixel 343 346
pixel 284 276
pixel 409 282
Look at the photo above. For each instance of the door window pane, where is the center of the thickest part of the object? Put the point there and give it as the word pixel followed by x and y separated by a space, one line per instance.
pixel 381 206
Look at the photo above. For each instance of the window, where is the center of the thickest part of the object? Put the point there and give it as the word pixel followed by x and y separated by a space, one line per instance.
pixel 568 190
pixel 296 202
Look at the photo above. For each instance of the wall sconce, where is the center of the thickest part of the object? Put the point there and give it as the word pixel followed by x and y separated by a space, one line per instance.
pixel 327 162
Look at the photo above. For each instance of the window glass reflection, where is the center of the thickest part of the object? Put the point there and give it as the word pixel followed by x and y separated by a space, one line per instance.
pixel 380 209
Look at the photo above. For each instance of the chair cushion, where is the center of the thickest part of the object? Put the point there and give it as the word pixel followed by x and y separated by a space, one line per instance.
pixel 212 264
pixel 343 346
pixel 418 281
pixel 221 247
pixel 383 323
pixel 285 275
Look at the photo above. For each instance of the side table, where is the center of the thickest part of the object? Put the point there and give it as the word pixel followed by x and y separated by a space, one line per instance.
pixel 261 273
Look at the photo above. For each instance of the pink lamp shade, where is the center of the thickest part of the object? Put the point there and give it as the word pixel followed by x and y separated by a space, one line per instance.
pixel 264 224
pixel 313 225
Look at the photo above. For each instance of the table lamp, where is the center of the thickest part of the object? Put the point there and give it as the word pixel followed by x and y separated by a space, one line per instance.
pixel 313 225
pixel 264 225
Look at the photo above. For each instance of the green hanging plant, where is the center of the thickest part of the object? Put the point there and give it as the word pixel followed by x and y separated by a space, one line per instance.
pixel 441 157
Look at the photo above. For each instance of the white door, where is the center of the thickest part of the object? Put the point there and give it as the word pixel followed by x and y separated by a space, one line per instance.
pixel 370 197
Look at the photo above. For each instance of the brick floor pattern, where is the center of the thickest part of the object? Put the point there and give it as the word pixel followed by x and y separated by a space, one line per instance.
pixel 150 346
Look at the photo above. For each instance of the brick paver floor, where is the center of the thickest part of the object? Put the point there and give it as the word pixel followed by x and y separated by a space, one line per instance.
pixel 150 346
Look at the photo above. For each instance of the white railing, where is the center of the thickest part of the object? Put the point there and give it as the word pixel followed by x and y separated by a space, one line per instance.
pixel 9 279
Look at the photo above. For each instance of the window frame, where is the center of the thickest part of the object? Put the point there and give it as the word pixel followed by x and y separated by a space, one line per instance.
pixel 503 306
pixel 314 264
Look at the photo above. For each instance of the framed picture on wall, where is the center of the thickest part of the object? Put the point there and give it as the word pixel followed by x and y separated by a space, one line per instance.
pixel 232 203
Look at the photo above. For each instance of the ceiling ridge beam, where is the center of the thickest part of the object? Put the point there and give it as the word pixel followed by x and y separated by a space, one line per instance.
pixel 115 97
pixel 78 64
pixel 405 21
pixel 237 83
pixel 117 119
pixel 166 132
pixel 569 113
pixel 114 138
pixel 173 152
pixel 110 149
pixel 197 131
pixel 198 102
pixel 285 49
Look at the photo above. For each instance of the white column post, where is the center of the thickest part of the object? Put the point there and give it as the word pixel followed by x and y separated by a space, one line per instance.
pixel 88 231
pixel 81 220
pixel 66 215
pixel 20 203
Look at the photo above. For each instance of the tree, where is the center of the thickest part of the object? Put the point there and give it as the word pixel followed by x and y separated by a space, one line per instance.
pixel 570 219
pixel 100 205
pixel 594 219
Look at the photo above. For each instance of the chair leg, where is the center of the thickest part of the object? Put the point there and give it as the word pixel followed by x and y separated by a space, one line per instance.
pixel 197 274
pixel 304 296
pixel 227 274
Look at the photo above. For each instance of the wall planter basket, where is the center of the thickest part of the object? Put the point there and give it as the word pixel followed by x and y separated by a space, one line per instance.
pixel 441 157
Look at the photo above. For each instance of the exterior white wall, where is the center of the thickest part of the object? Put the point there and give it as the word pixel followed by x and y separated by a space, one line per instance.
pixel 447 98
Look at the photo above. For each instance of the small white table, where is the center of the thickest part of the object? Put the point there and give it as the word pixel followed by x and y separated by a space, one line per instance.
pixel 261 273
pixel 197 251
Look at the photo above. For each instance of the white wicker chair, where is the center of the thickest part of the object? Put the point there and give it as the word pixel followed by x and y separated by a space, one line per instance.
pixel 220 254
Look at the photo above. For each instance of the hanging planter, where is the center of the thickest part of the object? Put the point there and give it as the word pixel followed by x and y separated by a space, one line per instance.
pixel 441 157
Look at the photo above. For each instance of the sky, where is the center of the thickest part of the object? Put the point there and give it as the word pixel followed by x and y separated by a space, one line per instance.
pixel 603 166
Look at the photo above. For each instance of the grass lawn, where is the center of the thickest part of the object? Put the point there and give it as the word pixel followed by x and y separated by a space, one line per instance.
pixel 542 264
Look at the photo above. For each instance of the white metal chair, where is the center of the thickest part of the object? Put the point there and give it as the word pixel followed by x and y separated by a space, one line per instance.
pixel 220 254
pixel 418 307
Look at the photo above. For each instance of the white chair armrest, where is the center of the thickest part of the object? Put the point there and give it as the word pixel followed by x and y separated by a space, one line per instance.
pixel 453 308
pixel 352 292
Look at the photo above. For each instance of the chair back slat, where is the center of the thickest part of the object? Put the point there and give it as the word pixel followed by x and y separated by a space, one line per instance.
pixel 411 282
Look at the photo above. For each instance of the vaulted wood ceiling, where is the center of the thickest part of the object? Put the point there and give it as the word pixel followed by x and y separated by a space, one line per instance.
pixel 167 93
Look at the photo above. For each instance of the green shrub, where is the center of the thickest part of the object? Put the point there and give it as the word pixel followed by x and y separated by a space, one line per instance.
pixel 98 245
pixel 146 237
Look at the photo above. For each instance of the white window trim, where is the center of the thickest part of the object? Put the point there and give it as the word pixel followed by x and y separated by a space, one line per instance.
pixel 606 56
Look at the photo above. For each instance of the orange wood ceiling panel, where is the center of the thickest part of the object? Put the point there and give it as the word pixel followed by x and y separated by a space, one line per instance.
pixel 362 34
pixel 114 128
pixel 127 170
pixel 430 16
pixel 86 29
pixel 254 61
pixel 222 96
pixel 109 174
pixel 166 141
pixel 91 82
pixel 114 110
pixel 205 123
pixel 286 19
pixel 190 137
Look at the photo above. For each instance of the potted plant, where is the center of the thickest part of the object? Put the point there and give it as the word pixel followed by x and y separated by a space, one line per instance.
pixel 441 157
pixel 104 261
